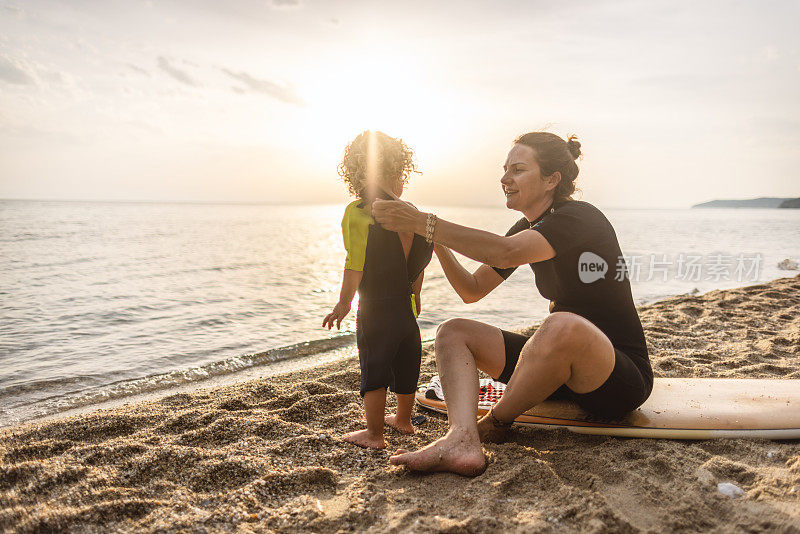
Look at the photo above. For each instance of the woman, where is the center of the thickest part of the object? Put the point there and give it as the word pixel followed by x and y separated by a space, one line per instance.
pixel 591 348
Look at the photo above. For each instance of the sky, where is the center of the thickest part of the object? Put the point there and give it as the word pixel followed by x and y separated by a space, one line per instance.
pixel 674 102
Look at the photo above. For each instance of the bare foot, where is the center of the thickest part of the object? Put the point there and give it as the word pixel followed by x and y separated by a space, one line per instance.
pixel 489 433
pixel 404 427
pixel 363 438
pixel 457 452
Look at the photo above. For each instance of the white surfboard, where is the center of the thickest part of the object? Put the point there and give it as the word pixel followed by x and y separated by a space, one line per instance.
pixel 678 408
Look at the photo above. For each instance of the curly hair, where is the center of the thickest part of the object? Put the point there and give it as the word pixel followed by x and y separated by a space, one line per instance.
pixel 395 162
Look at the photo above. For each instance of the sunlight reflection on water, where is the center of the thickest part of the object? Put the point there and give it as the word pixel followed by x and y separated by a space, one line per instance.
pixel 94 293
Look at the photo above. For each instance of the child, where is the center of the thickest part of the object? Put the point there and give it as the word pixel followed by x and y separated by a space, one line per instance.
pixel 387 269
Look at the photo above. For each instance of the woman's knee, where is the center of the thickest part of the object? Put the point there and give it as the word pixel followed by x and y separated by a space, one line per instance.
pixel 562 331
pixel 458 332
pixel 574 340
pixel 562 323
pixel 485 344
pixel 452 331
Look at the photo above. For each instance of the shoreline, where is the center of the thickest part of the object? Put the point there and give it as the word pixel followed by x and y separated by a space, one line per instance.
pixel 273 362
pixel 342 347
pixel 261 455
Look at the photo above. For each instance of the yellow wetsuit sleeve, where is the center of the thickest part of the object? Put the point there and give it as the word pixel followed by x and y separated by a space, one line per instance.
pixel 355 229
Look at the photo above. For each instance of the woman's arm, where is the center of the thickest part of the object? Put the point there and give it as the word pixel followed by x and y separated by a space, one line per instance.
pixel 485 247
pixel 471 287
pixel 492 249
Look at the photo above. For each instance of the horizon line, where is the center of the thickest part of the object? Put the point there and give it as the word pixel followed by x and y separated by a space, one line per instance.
pixel 273 203
pixel 330 203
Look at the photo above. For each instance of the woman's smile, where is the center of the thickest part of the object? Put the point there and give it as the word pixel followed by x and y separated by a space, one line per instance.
pixel 512 189
pixel 508 191
pixel 512 192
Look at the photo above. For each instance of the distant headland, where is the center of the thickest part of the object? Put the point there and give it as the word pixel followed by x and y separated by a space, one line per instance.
pixel 761 202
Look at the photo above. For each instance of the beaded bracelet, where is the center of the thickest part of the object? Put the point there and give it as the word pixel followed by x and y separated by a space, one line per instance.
pixel 430 227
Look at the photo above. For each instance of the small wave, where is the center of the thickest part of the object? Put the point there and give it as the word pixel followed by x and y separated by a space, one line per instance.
pixel 319 290
pixel 44 385
pixel 194 270
pixel 26 266
pixel 36 236
pixel 116 316
pixel 125 388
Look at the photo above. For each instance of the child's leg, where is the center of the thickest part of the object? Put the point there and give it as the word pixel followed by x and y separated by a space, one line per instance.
pixel 405 377
pixel 374 407
pixel 401 420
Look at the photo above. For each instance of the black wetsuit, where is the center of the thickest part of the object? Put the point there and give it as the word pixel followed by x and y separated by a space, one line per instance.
pixel 388 338
pixel 588 276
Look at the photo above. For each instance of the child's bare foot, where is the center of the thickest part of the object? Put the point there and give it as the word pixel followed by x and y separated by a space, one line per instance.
pixel 403 426
pixel 364 438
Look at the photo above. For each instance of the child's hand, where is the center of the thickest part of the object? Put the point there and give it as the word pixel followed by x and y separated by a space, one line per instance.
pixel 339 312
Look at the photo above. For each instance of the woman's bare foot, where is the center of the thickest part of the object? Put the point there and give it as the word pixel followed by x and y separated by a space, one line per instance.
pixel 404 427
pixel 488 432
pixel 459 452
pixel 364 438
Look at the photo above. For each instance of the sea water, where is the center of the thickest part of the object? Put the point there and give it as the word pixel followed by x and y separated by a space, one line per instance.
pixel 104 300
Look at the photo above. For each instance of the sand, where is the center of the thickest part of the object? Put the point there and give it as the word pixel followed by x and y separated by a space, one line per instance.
pixel 262 456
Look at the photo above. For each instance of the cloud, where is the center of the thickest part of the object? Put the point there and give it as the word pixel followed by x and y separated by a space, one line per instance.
pixel 136 69
pixel 12 73
pixel 177 74
pixel 285 4
pixel 55 77
pixel 16 11
pixel 283 93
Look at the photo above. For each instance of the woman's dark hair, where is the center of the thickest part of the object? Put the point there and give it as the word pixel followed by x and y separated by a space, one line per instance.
pixel 554 154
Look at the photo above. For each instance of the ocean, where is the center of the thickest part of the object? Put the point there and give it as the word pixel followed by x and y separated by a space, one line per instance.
pixel 107 300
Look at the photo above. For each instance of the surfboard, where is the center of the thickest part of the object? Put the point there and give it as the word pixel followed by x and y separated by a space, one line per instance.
pixel 678 408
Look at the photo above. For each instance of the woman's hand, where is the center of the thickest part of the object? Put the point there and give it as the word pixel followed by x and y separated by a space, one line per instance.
pixel 339 312
pixel 399 216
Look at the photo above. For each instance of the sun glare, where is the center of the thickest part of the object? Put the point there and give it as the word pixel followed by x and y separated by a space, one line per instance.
pixel 377 90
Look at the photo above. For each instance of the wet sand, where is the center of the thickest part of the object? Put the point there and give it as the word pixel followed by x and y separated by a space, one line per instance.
pixel 262 455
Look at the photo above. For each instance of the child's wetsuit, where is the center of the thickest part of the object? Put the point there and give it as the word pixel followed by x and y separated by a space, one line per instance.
pixel 389 344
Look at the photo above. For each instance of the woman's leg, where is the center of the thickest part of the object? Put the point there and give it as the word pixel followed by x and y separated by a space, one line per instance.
pixel 462 347
pixel 566 349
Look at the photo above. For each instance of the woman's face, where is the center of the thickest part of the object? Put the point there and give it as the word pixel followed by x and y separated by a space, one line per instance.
pixel 522 181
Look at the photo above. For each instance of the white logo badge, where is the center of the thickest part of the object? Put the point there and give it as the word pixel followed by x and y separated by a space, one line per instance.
pixel 591 267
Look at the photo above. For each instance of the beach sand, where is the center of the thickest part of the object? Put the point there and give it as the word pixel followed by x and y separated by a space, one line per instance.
pixel 263 455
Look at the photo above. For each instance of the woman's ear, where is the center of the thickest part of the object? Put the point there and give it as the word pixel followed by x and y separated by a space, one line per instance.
pixel 553 180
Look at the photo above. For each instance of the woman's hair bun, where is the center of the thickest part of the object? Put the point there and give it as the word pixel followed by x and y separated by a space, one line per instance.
pixel 574 146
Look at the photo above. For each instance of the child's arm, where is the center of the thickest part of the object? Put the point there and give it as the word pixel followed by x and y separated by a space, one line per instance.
pixel 350 282
pixel 416 287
